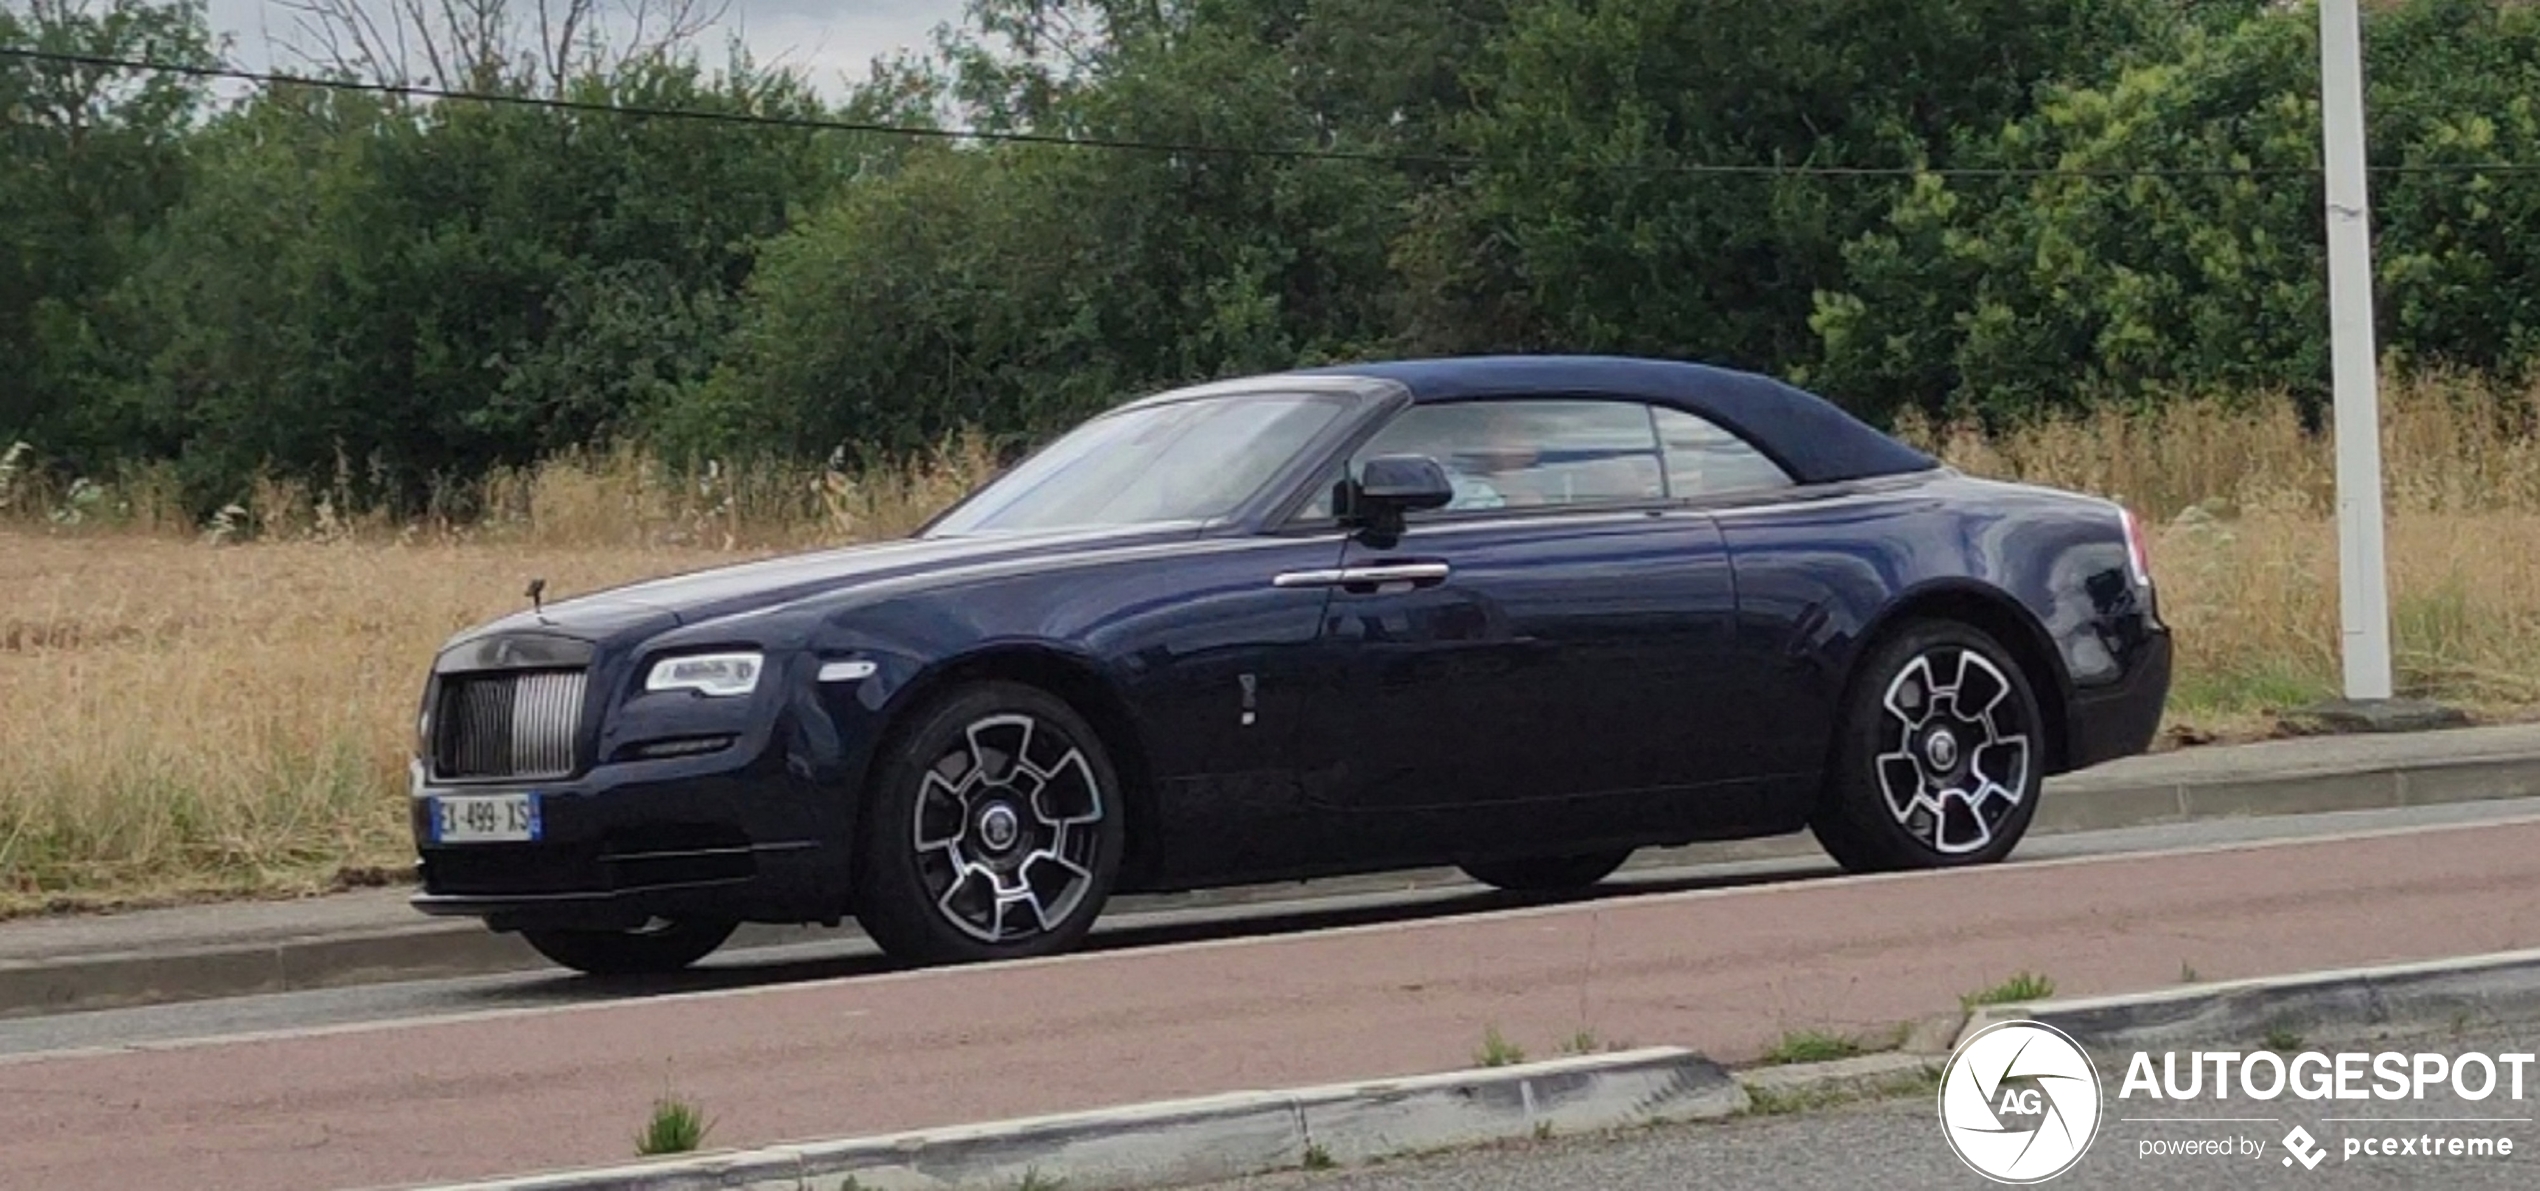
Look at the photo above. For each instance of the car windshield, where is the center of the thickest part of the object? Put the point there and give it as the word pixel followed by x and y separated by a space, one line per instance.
pixel 1193 460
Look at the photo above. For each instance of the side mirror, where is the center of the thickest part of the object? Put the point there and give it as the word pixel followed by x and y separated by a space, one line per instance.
pixel 1389 486
pixel 1404 483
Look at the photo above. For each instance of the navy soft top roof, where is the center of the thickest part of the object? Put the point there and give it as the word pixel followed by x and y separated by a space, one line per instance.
pixel 1812 438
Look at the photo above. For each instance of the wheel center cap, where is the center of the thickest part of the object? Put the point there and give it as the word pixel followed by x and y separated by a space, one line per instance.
pixel 998 827
pixel 1941 749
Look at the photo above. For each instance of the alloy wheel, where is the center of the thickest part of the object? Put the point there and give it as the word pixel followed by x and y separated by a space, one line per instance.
pixel 1006 829
pixel 1955 749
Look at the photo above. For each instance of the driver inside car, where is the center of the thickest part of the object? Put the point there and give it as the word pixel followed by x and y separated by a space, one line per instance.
pixel 1491 472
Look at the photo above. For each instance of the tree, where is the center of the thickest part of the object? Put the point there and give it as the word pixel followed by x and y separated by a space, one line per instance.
pixel 2006 298
pixel 1018 286
pixel 429 292
pixel 97 157
pixel 492 45
pixel 1601 218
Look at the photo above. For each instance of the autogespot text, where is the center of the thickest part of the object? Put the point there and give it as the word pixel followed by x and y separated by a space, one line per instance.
pixel 2323 1077
pixel 2313 1075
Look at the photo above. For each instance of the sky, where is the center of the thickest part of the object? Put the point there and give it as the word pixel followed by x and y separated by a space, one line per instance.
pixel 830 41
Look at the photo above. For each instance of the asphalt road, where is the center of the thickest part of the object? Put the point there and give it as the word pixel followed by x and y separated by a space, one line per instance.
pixel 1258 911
pixel 1255 912
pixel 1896 1145
pixel 1725 971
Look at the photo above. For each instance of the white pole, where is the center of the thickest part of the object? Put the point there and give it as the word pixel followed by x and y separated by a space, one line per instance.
pixel 2363 601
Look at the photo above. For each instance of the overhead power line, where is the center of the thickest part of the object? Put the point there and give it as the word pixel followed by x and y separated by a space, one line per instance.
pixel 1273 152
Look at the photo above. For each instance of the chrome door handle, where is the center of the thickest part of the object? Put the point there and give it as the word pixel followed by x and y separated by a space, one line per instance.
pixel 1413 572
pixel 1395 572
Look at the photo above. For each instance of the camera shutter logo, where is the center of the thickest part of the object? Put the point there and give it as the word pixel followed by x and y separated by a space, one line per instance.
pixel 2020 1102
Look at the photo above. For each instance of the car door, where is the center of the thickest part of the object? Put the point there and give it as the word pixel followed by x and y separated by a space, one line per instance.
pixel 1216 664
pixel 1794 590
pixel 1538 658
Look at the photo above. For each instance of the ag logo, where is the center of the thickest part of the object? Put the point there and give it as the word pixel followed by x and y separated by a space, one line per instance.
pixel 2020 1102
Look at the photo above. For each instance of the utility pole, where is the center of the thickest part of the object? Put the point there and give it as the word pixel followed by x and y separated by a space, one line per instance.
pixel 2363 595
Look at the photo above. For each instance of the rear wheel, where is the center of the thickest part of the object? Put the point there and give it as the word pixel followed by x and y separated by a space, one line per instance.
pixel 1534 874
pixel 647 950
pixel 1938 758
pixel 993 832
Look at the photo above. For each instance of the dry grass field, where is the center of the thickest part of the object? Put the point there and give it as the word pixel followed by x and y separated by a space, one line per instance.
pixel 188 713
pixel 182 719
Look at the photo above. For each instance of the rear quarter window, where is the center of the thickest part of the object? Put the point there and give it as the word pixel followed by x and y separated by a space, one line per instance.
pixel 1702 459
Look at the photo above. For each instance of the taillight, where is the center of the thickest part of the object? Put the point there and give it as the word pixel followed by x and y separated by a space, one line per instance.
pixel 2137 549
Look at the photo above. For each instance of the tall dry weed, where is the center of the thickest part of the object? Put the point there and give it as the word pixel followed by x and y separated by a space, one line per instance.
pixel 2450 444
pixel 227 709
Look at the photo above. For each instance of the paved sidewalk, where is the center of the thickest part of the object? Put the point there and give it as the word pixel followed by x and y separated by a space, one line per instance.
pixel 157 956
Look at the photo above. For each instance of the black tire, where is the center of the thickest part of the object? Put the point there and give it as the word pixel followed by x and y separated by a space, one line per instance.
pixel 1538 874
pixel 921 898
pixel 643 952
pixel 1886 776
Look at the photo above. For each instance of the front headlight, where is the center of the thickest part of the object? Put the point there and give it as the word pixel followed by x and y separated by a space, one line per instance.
pixel 717 674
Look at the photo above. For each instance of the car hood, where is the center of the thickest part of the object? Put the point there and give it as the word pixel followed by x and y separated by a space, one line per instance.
pixel 656 605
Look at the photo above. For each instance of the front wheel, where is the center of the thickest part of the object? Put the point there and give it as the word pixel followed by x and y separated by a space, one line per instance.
pixel 1536 874
pixel 994 831
pixel 1938 758
pixel 645 951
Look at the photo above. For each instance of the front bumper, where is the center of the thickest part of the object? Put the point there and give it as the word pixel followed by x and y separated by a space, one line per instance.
pixel 704 837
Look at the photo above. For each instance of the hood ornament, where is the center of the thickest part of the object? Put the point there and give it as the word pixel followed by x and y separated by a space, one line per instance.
pixel 537 590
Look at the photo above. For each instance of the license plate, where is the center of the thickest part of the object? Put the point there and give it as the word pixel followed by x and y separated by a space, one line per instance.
pixel 484 818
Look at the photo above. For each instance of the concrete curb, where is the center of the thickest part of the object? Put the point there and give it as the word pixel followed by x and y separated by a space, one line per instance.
pixel 2470 992
pixel 110 980
pixel 2091 800
pixel 427 950
pixel 1210 1139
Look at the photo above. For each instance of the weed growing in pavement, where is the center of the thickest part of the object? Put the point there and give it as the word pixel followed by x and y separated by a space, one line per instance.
pixel 676 1127
pixel 1582 1043
pixel 1318 1158
pixel 1543 1131
pixel 2186 972
pixel 2024 986
pixel 1764 1101
pixel 1813 1046
pixel 1034 1180
pixel 2283 1040
pixel 1770 1102
pixel 1497 1051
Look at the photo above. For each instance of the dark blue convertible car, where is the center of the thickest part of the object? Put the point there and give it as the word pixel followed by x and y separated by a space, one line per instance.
pixel 1520 615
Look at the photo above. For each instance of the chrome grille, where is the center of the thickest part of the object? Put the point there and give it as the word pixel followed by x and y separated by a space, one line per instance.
pixel 521 724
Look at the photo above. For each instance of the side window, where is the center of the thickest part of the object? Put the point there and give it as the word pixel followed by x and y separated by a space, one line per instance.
pixel 1510 454
pixel 1703 459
